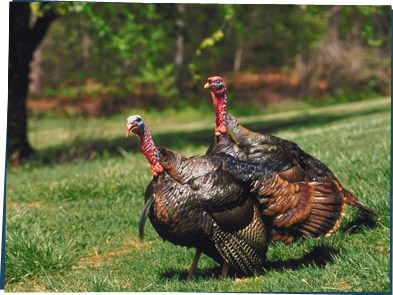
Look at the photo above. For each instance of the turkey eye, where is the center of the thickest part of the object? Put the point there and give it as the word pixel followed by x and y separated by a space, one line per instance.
pixel 218 82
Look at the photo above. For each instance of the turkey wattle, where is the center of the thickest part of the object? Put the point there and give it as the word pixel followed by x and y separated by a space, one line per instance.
pixel 284 157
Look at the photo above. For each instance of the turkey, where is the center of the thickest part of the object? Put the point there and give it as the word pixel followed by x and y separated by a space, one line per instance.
pixel 284 157
pixel 205 203
pixel 192 202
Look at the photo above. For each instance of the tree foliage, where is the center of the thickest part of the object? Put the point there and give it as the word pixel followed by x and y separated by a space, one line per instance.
pixel 128 50
pixel 159 54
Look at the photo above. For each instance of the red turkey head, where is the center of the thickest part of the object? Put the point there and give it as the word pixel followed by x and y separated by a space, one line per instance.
pixel 136 125
pixel 218 91
pixel 216 85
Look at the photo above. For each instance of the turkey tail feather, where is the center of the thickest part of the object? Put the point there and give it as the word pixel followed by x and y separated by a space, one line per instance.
pixel 351 200
pixel 237 252
pixel 327 209
pixel 314 208
pixel 142 220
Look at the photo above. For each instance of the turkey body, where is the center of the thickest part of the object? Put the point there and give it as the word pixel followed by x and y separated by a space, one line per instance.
pixel 276 154
pixel 282 156
pixel 302 195
pixel 195 203
pixel 290 164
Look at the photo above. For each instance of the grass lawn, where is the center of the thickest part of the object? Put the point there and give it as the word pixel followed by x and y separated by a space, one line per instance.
pixel 72 223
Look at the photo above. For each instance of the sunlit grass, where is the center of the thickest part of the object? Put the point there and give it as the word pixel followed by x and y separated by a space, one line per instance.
pixel 73 227
pixel 54 131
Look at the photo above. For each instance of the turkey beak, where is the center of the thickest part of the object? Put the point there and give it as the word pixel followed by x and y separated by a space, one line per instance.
pixel 131 126
pixel 207 85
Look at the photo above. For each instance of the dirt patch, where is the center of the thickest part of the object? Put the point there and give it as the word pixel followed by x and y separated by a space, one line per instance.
pixel 23 204
pixel 35 285
pixel 345 286
pixel 140 245
pixel 98 259
pixel 38 286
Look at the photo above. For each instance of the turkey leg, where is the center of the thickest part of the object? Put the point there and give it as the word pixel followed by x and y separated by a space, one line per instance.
pixel 194 264
pixel 224 271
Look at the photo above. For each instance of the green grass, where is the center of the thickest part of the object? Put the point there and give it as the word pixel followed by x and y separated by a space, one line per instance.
pixel 72 226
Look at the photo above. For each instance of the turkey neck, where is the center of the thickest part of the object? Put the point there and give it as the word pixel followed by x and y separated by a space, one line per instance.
pixel 220 104
pixel 149 150
pixel 240 135
pixel 173 163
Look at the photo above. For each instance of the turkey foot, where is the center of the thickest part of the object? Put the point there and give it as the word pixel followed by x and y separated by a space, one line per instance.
pixel 194 264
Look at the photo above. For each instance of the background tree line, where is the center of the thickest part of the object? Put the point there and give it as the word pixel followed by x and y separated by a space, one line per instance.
pixel 99 58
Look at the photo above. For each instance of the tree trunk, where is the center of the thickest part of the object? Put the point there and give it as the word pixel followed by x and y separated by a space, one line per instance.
pixel 238 55
pixel 22 43
pixel 179 51
pixel 334 51
pixel 36 73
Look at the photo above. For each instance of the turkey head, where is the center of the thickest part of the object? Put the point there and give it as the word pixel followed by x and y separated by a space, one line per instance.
pixel 218 90
pixel 136 125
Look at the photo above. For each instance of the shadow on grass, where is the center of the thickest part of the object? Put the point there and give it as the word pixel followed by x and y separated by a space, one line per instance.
pixel 91 149
pixel 209 273
pixel 319 256
pixel 359 223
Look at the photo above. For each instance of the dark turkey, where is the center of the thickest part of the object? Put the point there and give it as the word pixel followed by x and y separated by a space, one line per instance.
pixel 205 202
pixel 284 157
pixel 193 202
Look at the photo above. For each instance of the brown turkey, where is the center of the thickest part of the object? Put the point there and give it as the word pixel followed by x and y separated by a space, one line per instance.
pixel 192 202
pixel 204 202
pixel 284 157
